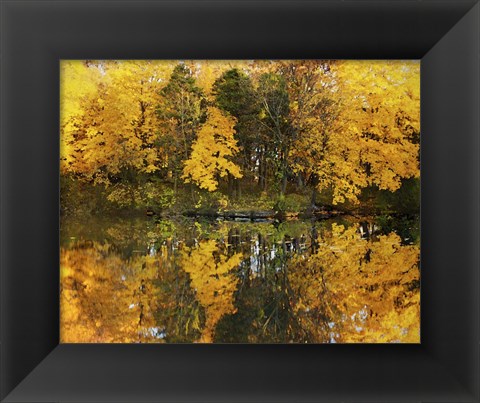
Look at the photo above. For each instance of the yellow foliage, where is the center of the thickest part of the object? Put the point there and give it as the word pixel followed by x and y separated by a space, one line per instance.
pixel 379 119
pixel 109 119
pixel 368 289
pixel 351 124
pixel 212 152
pixel 207 71
pixel 366 132
pixel 213 281
pixel 101 300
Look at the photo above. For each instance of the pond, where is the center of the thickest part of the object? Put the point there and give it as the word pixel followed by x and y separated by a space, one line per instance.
pixel 187 280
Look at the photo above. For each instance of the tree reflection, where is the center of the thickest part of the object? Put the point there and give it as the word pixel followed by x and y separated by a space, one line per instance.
pixel 298 282
pixel 103 297
pixel 213 281
pixel 357 290
pixel 108 299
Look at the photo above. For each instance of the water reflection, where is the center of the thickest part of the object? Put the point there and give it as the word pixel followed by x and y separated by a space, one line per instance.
pixel 179 281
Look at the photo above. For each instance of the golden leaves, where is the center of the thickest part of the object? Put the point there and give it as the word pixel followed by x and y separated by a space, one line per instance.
pixel 213 280
pixel 367 134
pixel 212 152
pixel 109 119
pixel 374 95
pixel 102 298
pixel 351 124
pixel 368 289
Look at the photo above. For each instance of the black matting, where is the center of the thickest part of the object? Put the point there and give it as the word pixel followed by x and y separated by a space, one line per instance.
pixel 35 35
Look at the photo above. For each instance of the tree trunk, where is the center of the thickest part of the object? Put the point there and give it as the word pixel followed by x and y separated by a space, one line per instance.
pixel 230 185
pixel 263 169
pixel 284 171
pixel 238 191
pixel 260 171
pixel 300 180
pixel 314 183
pixel 284 183
pixel 314 197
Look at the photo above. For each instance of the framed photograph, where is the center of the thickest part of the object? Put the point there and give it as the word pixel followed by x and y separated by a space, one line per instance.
pixel 216 201
pixel 238 201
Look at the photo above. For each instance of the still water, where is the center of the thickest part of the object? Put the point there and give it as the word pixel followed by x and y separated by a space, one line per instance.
pixel 185 280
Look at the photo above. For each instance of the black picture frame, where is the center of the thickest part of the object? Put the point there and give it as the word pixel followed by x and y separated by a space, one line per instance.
pixel 35 35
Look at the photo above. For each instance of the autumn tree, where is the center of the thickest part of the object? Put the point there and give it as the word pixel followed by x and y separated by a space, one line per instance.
pixel 235 94
pixel 79 83
pixel 139 128
pixel 110 137
pixel 114 129
pixel 276 125
pixel 374 141
pixel 182 110
pixel 313 112
pixel 212 152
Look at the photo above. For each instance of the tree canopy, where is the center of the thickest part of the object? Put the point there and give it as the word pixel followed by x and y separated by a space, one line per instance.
pixel 334 127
